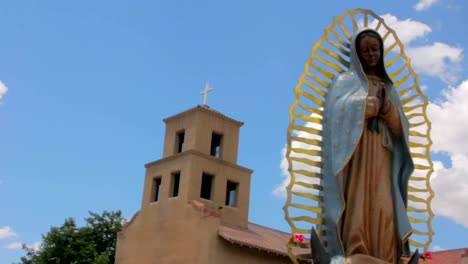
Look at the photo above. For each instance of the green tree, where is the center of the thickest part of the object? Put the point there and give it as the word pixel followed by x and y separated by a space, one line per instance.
pixel 93 243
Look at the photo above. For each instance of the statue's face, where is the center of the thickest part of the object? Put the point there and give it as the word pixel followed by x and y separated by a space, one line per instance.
pixel 370 51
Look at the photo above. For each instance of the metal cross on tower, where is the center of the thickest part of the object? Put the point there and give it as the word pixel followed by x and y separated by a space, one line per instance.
pixel 205 92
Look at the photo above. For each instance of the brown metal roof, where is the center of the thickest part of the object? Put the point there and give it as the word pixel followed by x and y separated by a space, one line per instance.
pixel 275 241
pixel 453 256
pixel 260 237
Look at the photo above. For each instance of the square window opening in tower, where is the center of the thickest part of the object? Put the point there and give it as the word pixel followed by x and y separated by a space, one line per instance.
pixel 156 189
pixel 180 138
pixel 206 186
pixel 216 140
pixel 232 189
pixel 175 180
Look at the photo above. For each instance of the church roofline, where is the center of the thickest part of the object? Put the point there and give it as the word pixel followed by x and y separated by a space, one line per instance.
pixel 201 154
pixel 259 237
pixel 206 109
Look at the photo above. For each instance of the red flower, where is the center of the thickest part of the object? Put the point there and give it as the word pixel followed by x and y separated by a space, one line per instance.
pixel 299 237
pixel 428 254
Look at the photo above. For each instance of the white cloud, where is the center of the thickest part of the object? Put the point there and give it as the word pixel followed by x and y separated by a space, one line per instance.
pixel 407 29
pixel 451 189
pixel 449 130
pixel 35 246
pixel 14 245
pixel 6 232
pixel 18 245
pixel 280 190
pixel 449 121
pixel 437 248
pixel 424 4
pixel 438 60
pixel 3 89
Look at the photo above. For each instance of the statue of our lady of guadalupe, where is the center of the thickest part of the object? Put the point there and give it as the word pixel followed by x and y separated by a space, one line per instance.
pixel 366 160
pixel 352 164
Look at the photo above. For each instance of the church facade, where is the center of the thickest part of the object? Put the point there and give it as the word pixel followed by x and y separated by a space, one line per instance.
pixel 195 200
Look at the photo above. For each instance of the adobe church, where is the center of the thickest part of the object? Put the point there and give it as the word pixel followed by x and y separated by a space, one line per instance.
pixel 195 203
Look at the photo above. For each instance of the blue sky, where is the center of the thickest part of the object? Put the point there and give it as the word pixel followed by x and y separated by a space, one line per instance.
pixel 86 85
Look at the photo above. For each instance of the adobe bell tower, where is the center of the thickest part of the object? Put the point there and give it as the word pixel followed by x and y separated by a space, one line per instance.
pixel 196 187
pixel 200 163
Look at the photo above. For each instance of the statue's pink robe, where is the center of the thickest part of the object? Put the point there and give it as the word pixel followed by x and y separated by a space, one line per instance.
pixel 369 225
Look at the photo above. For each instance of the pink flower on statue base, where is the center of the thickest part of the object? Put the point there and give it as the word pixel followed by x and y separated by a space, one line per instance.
pixel 299 237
